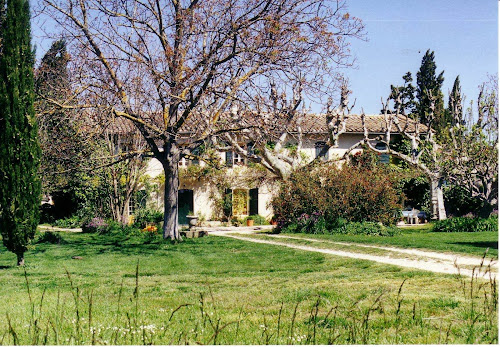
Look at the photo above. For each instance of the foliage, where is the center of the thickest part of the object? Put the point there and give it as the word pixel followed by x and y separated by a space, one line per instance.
pixel 465 224
pixel 368 228
pixel 96 225
pixel 416 192
pixel 430 83
pixel 63 146
pixel 117 228
pixel 329 193
pixel 92 195
pixel 147 215
pixel 459 202
pixel 258 219
pixel 70 222
pixel 316 224
pixel 50 237
pixel 406 93
pixel 20 187
pixel 46 213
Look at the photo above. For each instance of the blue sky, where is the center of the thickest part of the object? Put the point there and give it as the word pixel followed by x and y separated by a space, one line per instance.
pixel 462 33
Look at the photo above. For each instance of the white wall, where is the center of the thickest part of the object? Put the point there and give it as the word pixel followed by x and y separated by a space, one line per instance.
pixel 203 204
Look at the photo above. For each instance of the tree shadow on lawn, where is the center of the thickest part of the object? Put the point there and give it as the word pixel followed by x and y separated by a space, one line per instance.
pixel 122 244
pixel 481 245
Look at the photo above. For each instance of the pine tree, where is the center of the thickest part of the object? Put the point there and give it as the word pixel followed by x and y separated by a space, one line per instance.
pixel 19 151
pixel 429 82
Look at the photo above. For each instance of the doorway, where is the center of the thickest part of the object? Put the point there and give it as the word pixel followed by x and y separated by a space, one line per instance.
pixel 186 204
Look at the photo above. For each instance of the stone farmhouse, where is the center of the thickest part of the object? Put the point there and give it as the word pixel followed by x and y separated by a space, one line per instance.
pixel 243 196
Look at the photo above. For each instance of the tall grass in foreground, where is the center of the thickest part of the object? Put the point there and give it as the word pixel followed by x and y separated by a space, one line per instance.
pixel 377 317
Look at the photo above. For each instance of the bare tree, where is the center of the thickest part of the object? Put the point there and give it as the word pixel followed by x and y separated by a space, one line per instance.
pixel 192 59
pixel 472 153
pixel 277 137
pixel 425 153
pixel 124 165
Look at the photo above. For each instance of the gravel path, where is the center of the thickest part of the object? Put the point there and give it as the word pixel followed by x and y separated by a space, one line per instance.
pixel 428 260
pixel 50 228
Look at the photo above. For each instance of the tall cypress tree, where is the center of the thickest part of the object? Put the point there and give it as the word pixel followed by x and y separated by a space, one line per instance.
pixel 455 110
pixel 19 149
pixel 428 81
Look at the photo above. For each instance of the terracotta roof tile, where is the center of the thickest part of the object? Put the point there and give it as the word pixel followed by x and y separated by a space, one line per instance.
pixel 313 123
pixel 316 123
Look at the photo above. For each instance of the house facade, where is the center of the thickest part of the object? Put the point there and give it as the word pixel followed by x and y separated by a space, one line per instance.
pixel 242 190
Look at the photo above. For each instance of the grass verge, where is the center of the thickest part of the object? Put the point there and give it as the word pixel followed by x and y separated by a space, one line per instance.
pixel 422 237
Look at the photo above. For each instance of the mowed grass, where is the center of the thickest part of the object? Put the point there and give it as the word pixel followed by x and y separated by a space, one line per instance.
pixel 421 237
pixel 217 290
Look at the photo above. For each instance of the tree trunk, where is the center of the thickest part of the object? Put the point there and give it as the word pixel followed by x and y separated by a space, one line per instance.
pixel 20 259
pixel 437 200
pixel 171 209
pixel 124 216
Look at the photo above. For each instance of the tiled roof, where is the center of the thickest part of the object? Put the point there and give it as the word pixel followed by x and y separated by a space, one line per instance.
pixel 312 123
pixel 375 123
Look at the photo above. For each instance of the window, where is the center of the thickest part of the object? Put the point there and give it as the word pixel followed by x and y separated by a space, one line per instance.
pixel 238 159
pixel 132 206
pixel 383 158
pixel 183 162
pixel 233 158
pixel 196 152
pixel 319 146
pixel 229 159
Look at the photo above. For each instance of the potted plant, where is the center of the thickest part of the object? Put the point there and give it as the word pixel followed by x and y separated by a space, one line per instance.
pixel 274 222
pixel 250 221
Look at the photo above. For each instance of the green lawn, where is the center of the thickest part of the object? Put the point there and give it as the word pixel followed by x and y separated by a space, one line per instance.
pixel 216 290
pixel 422 237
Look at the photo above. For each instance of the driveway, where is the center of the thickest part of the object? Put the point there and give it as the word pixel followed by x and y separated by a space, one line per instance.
pixel 439 262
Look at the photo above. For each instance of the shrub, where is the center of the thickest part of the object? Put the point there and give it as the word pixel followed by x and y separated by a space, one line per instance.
pixel 96 225
pixel 70 222
pixel 147 215
pixel 318 225
pixel 318 198
pixel 114 227
pixel 368 228
pixel 50 237
pixel 465 224
pixel 458 201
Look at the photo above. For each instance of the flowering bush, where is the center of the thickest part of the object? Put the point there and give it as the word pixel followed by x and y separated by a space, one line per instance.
pixel 315 200
pixel 96 225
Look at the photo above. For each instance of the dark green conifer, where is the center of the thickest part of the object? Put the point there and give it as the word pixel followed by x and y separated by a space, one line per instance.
pixel 455 109
pixel 428 81
pixel 19 148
